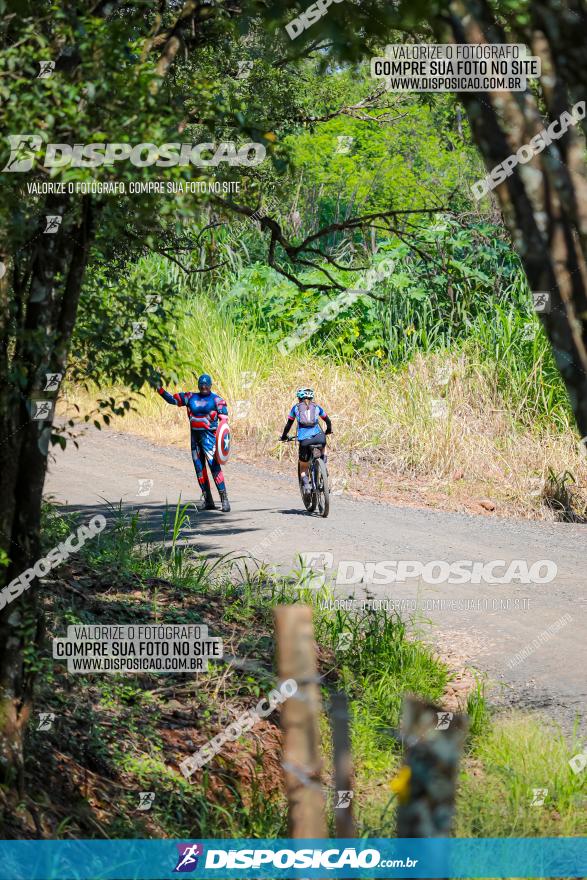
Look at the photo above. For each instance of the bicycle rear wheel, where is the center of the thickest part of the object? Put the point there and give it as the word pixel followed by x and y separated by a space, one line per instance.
pixel 322 487
pixel 309 498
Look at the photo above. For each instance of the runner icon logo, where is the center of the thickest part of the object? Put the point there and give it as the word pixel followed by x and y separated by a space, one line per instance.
pixel 146 800
pixel 444 719
pixel 343 800
pixel 46 720
pixel 187 860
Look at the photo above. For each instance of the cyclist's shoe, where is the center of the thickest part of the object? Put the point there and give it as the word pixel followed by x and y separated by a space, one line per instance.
pixel 225 502
pixel 206 502
pixel 306 488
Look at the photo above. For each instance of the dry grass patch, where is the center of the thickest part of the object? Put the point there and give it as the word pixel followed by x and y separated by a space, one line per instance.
pixel 434 433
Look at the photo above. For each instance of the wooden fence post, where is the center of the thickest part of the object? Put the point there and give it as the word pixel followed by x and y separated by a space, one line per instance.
pixel 296 658
pixel 343 764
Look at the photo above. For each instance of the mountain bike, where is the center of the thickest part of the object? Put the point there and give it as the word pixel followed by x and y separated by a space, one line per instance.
pixel 318 498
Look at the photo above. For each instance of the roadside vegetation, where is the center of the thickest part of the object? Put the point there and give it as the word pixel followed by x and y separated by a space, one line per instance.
pixel 484 419
pixel 440 380
pixel 114 736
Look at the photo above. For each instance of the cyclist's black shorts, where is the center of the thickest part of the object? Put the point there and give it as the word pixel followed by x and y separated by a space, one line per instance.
pixel 304 446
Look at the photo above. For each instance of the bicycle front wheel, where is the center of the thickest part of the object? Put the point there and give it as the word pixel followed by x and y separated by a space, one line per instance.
pixel 322 488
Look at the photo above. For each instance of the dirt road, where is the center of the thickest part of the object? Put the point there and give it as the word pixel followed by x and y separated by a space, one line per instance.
pixel 267 520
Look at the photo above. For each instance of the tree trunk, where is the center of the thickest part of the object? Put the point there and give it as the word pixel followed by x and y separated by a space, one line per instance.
pixel 544 202
pixel 41 346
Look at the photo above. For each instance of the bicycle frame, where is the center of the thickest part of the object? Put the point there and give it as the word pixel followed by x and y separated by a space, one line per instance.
pixel 317 496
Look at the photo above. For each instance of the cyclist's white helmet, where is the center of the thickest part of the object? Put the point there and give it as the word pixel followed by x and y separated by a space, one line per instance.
pixel 301 393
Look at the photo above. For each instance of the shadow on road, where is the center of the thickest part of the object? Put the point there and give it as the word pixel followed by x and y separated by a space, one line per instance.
pixel 156 523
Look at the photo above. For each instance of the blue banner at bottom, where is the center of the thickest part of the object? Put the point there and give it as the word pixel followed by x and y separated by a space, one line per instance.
pixel 283 858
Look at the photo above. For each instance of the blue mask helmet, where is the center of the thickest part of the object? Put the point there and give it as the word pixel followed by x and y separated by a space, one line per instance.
pixel 205 384
pixel 305 394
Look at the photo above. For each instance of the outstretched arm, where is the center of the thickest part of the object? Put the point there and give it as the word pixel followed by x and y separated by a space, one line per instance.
pixel 287 427
pixel 290 420
pixel 173 399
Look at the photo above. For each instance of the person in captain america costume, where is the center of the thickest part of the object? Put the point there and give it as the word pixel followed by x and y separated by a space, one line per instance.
pixel 203 409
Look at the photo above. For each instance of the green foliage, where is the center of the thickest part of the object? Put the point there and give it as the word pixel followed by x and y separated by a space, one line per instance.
pixel 477 710
pixel 131 316
pixel 381 663
pixel 516 755
pixel 409 157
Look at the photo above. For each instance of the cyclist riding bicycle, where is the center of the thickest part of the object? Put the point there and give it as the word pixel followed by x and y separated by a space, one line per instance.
pixel 307 414
pixel 203 409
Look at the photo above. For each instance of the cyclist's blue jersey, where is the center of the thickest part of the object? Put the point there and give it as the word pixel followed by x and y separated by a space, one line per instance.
pixel 306 433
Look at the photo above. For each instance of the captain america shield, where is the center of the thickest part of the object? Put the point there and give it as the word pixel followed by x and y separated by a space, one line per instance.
pixel 222 443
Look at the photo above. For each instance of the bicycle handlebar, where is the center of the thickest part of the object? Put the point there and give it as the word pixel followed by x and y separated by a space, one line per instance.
pixel 295 439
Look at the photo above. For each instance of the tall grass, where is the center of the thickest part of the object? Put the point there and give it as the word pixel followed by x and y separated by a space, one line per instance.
pixel 516 755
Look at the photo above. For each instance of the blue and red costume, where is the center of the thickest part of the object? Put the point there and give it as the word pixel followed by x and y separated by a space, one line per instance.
pixel 203 410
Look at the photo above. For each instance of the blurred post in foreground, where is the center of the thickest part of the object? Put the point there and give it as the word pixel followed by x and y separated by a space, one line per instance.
pixel 296 658
pixel 426 783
